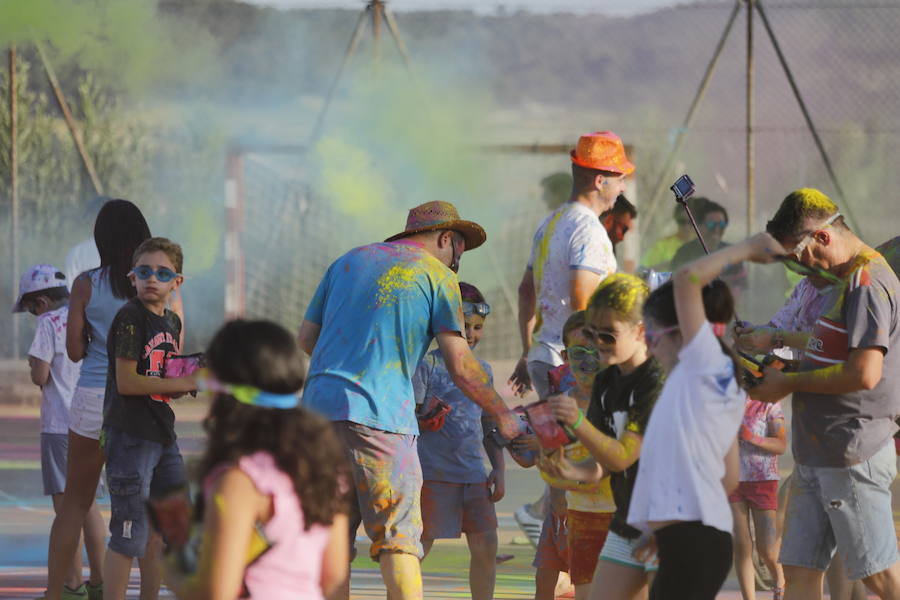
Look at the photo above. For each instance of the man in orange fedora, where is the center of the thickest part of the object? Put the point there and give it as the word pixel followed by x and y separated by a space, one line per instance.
pixel 372 318
pixel 570 255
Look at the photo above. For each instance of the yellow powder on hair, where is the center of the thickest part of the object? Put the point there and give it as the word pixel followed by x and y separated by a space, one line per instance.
pixel 621 292
pixel 812 199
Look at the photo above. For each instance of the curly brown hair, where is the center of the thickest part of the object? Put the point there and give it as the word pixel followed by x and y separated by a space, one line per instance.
pixel 303 444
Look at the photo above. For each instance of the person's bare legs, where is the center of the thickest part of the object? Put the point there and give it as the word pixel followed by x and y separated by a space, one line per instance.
pixel 402 575
pixel 768 543
pixel 482 563
pixel 151 567
pixel 73 574
pixel 743 550
pixel 85 461
pixel 545 583
pixel 117 573
pixel 618 582
pixel 802 583
pixel 839 586
pixel 95 543
pixel 885 584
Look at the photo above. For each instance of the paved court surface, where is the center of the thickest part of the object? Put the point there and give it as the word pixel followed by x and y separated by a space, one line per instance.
pixel 25 517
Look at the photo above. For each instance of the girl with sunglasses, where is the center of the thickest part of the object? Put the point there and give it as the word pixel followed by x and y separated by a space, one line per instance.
pixel 273 478
pixel 613 428
pixel 689 461
pixel 586 504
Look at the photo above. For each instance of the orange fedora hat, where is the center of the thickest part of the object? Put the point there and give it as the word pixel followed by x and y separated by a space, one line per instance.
pixel 603 151
pixel 432 216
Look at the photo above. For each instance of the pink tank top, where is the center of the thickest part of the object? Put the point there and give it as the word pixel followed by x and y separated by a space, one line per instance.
pixel 292 567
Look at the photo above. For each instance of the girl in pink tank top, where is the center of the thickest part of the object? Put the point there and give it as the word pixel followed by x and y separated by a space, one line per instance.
pixel 274 523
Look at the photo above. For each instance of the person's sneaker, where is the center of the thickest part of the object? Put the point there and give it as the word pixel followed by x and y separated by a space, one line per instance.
pixel 79 593
pixel 530 525
pixel 778 593
pixel 95 592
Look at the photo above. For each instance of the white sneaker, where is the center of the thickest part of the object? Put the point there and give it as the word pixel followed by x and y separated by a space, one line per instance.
pixel 530 525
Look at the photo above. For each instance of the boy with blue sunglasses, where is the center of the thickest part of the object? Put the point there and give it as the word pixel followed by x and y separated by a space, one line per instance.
pixel 138 424
pixel 458 491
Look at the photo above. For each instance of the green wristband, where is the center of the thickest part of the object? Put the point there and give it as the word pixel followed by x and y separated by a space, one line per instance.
pixel 579 420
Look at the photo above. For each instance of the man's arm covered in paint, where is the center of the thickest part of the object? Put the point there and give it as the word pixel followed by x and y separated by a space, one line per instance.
pixel 861 371
pixel 470 377
pixel 520 379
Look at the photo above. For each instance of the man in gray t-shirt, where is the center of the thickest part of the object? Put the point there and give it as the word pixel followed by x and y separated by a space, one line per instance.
pixel 846 397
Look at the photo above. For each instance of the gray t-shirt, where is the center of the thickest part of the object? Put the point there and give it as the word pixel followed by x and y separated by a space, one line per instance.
pixel 838 430
pixel 454 453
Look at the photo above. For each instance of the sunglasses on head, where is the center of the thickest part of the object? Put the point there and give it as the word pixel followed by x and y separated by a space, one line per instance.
pixel 808 236
pixel 600 337
pixel 482 309
pixel 652 336
pixel 163 274
pixel 716 225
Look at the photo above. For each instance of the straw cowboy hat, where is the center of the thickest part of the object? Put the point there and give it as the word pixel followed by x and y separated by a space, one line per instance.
pixel 603 151
pixel 433 216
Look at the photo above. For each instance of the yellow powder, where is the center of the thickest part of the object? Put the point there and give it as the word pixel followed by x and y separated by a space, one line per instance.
pixel 813 199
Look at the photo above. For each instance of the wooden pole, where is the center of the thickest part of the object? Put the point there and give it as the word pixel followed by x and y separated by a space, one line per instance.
pixel 665 175
pixel 377 7
pixel 846 209
pixel 348 55
pixel 751 199
pixel 70 121
pixel 14 189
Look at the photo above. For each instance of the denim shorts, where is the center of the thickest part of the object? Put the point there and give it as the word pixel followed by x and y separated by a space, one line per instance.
pixel 843 508
pixel 135 468
pixel 54 453
pixel 387 480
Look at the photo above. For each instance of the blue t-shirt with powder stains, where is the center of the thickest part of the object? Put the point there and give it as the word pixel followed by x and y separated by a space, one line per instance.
pixel 379 307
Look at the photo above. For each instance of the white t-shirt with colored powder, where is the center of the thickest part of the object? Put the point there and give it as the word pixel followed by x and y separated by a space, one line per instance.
pixel 570 238
pixel 693 425
pixel 49 345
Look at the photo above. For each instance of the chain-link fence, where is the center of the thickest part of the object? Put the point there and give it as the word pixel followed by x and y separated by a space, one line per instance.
pixel 636 76
pixel 288 239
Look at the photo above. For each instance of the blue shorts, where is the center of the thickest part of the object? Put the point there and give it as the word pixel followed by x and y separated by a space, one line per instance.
pixel 843 508
pixel 136 467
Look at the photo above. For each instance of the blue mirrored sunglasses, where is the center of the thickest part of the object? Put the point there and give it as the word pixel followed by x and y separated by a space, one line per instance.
pixel 163 274
pixel 482 309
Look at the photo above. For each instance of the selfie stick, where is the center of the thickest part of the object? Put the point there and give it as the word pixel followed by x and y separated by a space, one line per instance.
pixel 682 198
pixel 683 202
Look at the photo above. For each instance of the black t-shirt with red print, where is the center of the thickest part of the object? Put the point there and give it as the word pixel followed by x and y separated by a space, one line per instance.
pixel 140 335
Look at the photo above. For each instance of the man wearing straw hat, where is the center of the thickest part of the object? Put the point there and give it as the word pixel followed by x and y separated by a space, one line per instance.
pixel 371 321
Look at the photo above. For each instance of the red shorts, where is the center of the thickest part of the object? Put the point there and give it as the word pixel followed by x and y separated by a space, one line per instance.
pixel 587 534
pixel 761 495
pixel 553 547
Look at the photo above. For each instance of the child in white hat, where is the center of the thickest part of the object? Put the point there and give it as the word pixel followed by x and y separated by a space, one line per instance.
pixel 43 293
